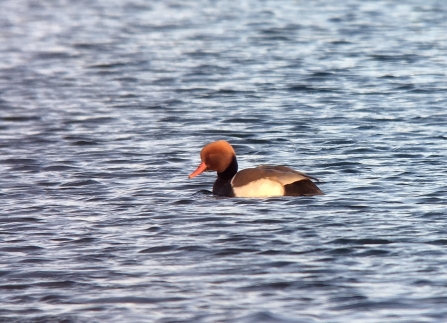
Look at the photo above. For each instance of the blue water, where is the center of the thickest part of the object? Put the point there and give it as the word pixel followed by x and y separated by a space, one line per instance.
pixel 105 105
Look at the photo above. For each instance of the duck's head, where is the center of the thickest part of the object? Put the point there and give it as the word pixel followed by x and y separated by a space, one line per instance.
pixel 216 156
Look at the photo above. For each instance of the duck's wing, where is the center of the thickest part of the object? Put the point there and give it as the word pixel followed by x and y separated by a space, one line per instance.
pixel 265 181
pixel 281 174
pixel 287 172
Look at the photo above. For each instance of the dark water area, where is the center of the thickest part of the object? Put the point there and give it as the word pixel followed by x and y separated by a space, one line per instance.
pixel 105 105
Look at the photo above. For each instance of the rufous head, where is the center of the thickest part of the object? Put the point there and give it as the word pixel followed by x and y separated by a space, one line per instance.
pixel 215 156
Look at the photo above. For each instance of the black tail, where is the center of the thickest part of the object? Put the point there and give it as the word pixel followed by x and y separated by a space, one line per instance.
pixel 304 187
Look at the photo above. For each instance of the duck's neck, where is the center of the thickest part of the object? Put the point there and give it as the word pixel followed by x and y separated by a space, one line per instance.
pixel 231 170
pixel 222 185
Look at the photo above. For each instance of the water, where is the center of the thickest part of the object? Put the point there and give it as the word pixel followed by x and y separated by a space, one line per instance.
pixel 105 105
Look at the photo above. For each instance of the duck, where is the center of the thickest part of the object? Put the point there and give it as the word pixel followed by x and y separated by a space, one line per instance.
pixel 261 181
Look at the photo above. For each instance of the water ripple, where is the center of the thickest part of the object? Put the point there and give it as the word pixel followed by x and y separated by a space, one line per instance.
pixel 104 107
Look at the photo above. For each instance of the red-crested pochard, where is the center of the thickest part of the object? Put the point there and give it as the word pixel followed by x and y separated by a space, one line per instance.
pixel 262 181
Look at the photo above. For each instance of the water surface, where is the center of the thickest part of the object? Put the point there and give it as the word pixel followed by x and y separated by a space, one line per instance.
pixel 105 105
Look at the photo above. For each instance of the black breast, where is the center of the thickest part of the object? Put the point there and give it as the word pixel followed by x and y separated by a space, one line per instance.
pixel 222 187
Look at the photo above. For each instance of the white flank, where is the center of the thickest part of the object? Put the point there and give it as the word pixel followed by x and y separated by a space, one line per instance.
pixel 261 188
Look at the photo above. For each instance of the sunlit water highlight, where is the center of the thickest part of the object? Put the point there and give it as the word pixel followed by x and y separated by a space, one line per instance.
pixel 105 105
